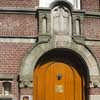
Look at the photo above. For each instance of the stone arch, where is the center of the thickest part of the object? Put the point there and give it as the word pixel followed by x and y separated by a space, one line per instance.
pixel 68 57
pixel 31 59
pixel 63 55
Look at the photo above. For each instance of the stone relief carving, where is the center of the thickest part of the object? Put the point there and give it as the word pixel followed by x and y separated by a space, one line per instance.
pixel 61 19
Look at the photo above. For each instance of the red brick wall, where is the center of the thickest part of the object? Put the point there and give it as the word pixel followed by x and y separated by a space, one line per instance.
pixel 19 3
pixel 15 91
pixel 11 56
pixel 18 25
pixel 96 51
pixel 91 5
pixel 91 28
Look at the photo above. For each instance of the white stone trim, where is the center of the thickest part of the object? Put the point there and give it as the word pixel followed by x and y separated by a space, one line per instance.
pixel 17 40
pixel 94 97
pixel 92 43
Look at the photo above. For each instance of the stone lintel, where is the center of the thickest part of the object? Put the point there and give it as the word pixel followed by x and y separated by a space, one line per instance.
pixel 8 77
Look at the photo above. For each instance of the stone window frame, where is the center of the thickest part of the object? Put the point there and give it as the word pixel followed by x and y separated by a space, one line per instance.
pixel 4 88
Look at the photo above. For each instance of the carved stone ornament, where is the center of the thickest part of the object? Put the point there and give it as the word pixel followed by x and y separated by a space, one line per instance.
pixel 61 19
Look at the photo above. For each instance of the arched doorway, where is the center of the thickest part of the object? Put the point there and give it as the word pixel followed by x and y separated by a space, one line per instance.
pixel 58 81
pixel 60 74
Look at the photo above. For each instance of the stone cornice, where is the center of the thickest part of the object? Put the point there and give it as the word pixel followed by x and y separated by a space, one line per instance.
pixel 17 10
pixel 8 77
pixel 17 40
pixel 91 13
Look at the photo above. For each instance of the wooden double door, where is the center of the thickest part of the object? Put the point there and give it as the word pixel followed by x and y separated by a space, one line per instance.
pixel 57 81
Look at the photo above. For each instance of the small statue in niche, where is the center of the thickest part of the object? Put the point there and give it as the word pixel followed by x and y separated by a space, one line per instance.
pixel 61 20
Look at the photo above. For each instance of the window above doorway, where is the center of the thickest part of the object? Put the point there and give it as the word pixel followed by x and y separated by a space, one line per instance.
pixel 46 3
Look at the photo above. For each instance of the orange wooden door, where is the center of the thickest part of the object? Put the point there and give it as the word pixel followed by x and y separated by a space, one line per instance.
pixel 57 81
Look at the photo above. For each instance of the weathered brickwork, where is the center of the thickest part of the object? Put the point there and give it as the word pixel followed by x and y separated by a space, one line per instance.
pixel 15 90
pixel 18 25
pixel 91 28
pixel 12 53
pixel 96 51
pixel 26 25
pixel 91 5
pixel 11 56
pixel 19 3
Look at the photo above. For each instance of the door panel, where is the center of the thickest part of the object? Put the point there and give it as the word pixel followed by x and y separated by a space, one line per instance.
pixel 78 86
pixel 39 82
pixel 57 81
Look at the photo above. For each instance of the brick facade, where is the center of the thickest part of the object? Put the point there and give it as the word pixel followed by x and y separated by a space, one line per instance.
pixel 24 25
pixel 12 53
pixel 19 3
pixel 18 25
pixel 11 56
pixel 91 28
pixel 96 51
pixel 91 32
pixel 90 5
